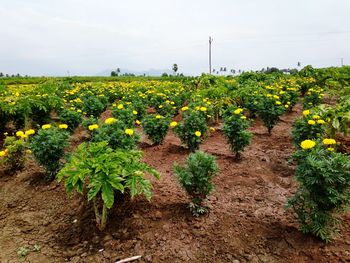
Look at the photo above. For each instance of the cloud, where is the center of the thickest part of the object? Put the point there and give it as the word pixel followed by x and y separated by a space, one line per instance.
pixel 86 37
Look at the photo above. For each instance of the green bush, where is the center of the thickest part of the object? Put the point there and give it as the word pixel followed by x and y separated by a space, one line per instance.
pixel 270 111
pixel 116 134
pixel 235 130
pixel 324 188
pixel 124 113
pixel 307 127
pixel 99 172
pixel 92 105
pixel 48 148
pixel 13 156
pixel 192 129
pixel 71 118
pixel 156 127
pixel 195 177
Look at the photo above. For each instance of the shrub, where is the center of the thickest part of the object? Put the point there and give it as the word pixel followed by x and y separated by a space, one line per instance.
pixel 71 118
pixel 48 148
pixel 103 172
pixel 192 129
pixel 196 179
pixel 156 127
pixel 234 129
pixel 323 193
pixel 116 134
pixel 92 105
pixel 269 111
pixel 308 127
pixel 124 113
pixel 13 157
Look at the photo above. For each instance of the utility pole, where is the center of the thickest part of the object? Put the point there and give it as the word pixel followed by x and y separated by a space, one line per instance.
pixel 210 40
pixel 341 61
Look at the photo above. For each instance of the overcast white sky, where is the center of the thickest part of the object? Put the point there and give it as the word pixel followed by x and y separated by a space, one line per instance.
pixel 49 37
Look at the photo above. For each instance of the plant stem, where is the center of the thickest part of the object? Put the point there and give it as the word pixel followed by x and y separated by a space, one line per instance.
pixel 104 217
pixel 97 214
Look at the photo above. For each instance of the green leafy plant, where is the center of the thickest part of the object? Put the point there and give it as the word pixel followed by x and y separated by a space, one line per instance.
pixel 195 177
pixel 235 130
pixel 156 127
pixel 124 113
pixel 92 105
pixel 192 129
pixel 324 188
pixel 270 111
pixel 98 172
pixel 48 147
pixel 14 154
pixel 71 118
pixel 307 127
pixel 117 135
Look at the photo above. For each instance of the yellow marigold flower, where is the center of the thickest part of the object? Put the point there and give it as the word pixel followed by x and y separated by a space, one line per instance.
pixel 158 116
pixel 321 122
pixel 316 117
pixel 46 126
pixel 172 103
pixel 307 144
pixel 2 153
pixel 278 102
pixel 110 120
pixel 311 122
pixel 134 112
pixel 138 122
pixel 238 111
pixel 120 106
pixel 79 110
pixel 30 132
pixel 160 106
pixel 330 149
pixel 28 151
pixel 93 127
pixel 329 141
pixel 198 133
pixel 173 124
pixel 203 109
pixel 184 108
pixel 129 131
pixel 306 112
pixel 243 117
pixel 212 129
pixel 19 133
pixel 63 126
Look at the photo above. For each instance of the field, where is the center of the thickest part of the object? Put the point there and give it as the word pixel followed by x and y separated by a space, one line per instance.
pixel 245 219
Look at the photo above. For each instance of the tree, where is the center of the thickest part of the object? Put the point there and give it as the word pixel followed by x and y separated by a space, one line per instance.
pixel 175 68
pixel 113 74
pixel 1 74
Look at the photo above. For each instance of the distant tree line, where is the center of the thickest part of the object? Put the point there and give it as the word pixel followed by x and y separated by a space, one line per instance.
pixel 2 75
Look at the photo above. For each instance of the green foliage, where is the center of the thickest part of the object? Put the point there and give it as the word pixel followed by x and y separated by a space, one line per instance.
pixel 125 114
pixel 312 98
pixel 156 127
pixel 15 154
pixel 99 172
pixel 302 130
pixel 116 136
pixel 48 147
pixel 270 111
pixel 195 177
pixel 235 130
pixel 193 122
pixel 71 118
pixel 323 193
pixel 92 105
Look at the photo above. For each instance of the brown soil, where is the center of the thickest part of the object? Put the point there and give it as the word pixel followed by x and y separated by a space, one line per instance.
pixel 247 221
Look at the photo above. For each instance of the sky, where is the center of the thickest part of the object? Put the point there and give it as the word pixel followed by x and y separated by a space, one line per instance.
pixel 85 37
